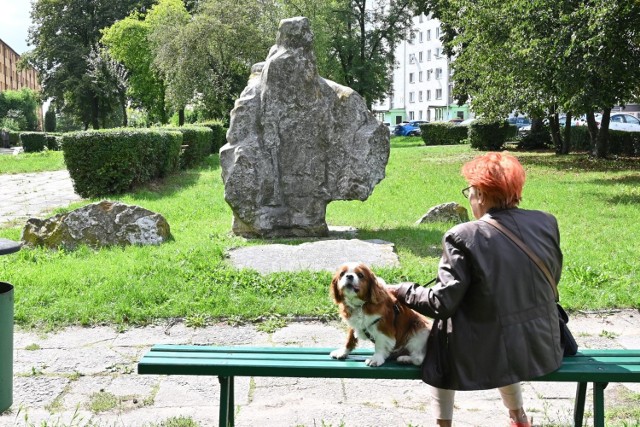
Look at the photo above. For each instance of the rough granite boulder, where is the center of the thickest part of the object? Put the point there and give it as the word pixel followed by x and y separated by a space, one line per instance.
pixel 296 142
pixel 97 225
pixel 446 212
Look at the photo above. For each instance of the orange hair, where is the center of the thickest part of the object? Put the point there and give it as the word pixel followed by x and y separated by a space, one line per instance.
pixel 499 176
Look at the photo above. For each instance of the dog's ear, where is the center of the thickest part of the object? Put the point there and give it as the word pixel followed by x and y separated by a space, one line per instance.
pixel 334 291
pixel 377 293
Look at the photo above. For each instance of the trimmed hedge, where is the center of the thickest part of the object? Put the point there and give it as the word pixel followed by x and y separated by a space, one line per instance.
pixel 620 143
pixel 219 137
pixel 490 135
pixel 443 133
pixel 53 141
pixel 33 142
pixel 198 144
pixel 112 161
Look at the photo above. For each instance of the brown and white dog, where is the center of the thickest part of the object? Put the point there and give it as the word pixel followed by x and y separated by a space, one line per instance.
pixel 373 313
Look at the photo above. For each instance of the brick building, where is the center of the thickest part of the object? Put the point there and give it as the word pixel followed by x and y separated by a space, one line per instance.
pixel 13 79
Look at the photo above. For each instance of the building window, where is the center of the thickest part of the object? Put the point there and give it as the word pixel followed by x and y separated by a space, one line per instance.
pixel 420 56
pixel 411 115
pixel 438 73
pixel 412 97
pixel 411 78
pixel 429 74
pixel 419 76
pixel 412 58
pixel 428 35
pixel 429 55
pixel 420 39
pixel 428 95
pixel 420 18
pixel 438 93
pixel 420 96
pixel 420 115
pixel 438 32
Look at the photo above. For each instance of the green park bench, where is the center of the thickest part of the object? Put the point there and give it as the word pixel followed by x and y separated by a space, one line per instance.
pixel 599 367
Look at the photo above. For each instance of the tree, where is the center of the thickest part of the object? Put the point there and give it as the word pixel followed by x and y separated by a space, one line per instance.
pixel 50 120
pixel 207 59
pixel 543 56
pixel 362 35
pixel 128 42
pixel 64 33
pixel 18 109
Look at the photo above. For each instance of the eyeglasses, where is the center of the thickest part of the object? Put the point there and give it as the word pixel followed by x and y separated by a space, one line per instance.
pixel 465 191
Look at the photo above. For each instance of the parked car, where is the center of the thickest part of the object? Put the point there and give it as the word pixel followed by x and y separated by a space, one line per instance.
pixel 519 122
pixel 621 121
pixel 466 122
pixel 411 128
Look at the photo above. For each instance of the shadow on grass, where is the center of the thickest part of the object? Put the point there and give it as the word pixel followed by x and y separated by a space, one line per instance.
pixel 580 162
pixel 169 186
pixel 421 242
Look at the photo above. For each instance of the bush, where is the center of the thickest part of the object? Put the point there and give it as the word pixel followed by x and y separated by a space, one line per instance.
pixel 53 141
pixel 113 161
pixel 536 140
pixel 198 144
pixel 219 137
pixel 624 143
pixel 33 142
pixel 489 135
pixel 443 133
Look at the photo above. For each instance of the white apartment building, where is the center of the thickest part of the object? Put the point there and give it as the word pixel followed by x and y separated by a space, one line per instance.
pixel 421 80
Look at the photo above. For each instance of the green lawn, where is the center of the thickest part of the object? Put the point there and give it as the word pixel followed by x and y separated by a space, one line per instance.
pixel 32 162
pixel 596 203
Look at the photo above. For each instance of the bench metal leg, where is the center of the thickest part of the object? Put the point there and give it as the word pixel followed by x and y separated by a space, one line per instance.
pixel 226 402
pixel 578 408
pixel 598 404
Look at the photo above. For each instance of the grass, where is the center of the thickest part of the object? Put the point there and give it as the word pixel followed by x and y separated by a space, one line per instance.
pixel 596 203
pixel 32 162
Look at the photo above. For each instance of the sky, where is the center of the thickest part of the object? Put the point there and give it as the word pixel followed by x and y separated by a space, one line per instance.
pixel 14 23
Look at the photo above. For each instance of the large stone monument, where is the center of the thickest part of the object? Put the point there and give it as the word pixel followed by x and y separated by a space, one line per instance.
pixel 296 142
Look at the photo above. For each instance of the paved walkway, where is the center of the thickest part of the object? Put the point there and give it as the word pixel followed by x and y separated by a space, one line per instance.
pixel 87 376
pixel 25 195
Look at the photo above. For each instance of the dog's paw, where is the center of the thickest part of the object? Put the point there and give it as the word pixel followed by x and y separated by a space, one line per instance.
pixel 405 360
pixel 340 353
pixel 376 360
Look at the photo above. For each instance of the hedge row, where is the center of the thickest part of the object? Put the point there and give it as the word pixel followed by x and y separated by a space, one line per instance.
pixel 490 135
pixel 620 143
pixel 443 133
pixel 197 142
pixel 112 161
pixel 219 136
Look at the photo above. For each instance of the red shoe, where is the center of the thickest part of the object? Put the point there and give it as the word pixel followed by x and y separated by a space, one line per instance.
pixel 516 424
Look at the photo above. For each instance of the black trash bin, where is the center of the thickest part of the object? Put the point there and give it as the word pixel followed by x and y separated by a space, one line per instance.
pixel 6 332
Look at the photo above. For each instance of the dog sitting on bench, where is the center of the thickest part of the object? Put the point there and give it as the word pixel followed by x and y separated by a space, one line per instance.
pixel 374 314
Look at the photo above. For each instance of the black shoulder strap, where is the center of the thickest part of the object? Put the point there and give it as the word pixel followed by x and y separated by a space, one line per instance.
pixel 515 239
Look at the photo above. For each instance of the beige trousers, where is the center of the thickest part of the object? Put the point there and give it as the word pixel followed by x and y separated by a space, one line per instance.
pixel 442 400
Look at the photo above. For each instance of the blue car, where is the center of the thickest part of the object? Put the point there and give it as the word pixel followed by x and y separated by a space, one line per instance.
pixel 411 128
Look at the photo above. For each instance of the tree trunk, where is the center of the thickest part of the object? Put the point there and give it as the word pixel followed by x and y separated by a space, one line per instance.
pixel 95 112
pixel 555 131
pixel 566 141
pixel 593 131
pixel 602 143
pixel 123 102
